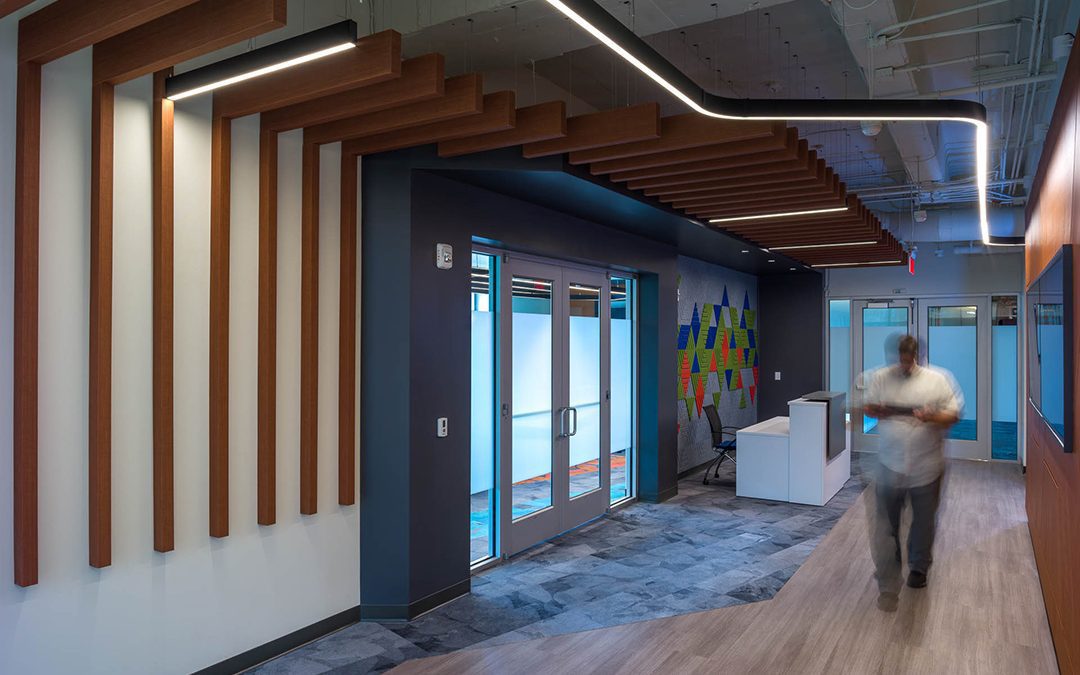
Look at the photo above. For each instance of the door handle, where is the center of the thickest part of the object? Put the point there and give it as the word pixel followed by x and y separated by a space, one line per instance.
pixel 574 432
pixel 562 423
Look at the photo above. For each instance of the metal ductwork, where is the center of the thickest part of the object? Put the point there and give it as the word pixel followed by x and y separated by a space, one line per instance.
pixel 960 224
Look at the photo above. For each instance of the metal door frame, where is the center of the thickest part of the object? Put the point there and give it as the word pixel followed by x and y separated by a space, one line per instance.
pixel 862 442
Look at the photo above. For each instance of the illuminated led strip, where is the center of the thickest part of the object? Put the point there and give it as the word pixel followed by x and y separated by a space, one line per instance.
pixel 884 110
pixel 851 264
pixel 786 214
pixel 805 246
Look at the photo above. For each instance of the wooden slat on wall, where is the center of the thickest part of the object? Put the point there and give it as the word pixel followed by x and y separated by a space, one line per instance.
pixel 66 26
pixel 309 330
pixel 267 401
pixel 220 151
pixel 25 329
pixel 198 29
pixel 100 359
pixel 347 335
pixel 162 187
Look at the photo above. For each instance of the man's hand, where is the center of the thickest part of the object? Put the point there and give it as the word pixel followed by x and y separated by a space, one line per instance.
pixel 932 416
pixel 875 410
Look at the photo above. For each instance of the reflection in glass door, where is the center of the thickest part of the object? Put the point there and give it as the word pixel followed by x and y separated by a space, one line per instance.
pixel 955 334
pixel 555 420
pixel 876 330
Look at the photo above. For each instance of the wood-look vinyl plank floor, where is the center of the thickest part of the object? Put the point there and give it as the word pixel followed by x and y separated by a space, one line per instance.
pixel 981 613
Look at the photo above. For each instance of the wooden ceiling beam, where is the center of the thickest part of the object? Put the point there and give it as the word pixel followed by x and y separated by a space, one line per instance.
pixel 752 209
pixel 692 154
pixel 793 149
pixel 834 190
pixel 463 96
pixel 780 191
pixel 697 177
pixel 542 122
pixel 810 170
pixel 12 6
pixel 852 219
pixel 182 35
pixel 498 115
pixel 422 79
pixel 376 58
pixel 66 26
pixel 600 129
pixel 680 132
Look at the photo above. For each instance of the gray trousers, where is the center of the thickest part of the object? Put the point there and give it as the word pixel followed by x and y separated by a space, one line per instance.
pixel 890 493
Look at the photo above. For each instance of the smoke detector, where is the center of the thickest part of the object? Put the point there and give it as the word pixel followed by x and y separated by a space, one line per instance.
pixel 870 127
pixel 920 215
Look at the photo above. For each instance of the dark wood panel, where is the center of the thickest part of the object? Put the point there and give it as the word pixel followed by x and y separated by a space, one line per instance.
pixel 99 421
pixel 756 208
pixel 723 187
pixel 24 420
pixel 596 130
pixel 498 115
pixel 267 380
pixel 195 30
pixel 794 149
pixel 421 80
pixel 347 335
pixel 377 58
pixel 674 157
pixel 780 193
pixel 463 95
pixel 715 174
pixel 679 132
pixel 540 122
pixel 309 330
pixel 220 186
pixel 66 26
pixel 11 6
pixel 162 224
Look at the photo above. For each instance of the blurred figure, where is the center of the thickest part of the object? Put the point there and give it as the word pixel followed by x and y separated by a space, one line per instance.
pixel 915 406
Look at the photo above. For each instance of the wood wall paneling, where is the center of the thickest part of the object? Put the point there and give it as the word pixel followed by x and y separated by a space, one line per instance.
pixel 189 32
pixel 1053 476
pixel 25 325
pixel 600 129
pixel 220 185
pixel 309 330
pixel 66 26
pixel 462 95
pixel 100 353
pixel 377 58
pixel 498 115
pixel 267 397
pixel 347 334
pixel 533 123
pixel 421 79
pixel 162 187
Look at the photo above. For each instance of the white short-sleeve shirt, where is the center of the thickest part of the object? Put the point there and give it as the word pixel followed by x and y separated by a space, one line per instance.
pixel 907 446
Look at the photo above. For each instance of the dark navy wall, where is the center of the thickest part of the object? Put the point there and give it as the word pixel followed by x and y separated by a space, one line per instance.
pixel 415 354
pixel 792 322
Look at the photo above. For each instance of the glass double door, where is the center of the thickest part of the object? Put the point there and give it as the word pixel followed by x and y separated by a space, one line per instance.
pixel 954 334
pixel 555 456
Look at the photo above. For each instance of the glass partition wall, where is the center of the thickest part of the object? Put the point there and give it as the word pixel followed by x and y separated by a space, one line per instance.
pixel 553 399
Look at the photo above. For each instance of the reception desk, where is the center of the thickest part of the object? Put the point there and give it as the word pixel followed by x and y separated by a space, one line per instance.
pixel 787 458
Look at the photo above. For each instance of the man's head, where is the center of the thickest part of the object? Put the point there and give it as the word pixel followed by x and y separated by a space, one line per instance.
pixel 908 350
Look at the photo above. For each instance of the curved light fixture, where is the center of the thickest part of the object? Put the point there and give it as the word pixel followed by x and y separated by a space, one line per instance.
pixel 624 42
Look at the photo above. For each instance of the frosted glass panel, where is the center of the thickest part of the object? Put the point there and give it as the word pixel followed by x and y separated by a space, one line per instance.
pixel 622 387
pixel 531 425
pixel 1003 377
pixel 584 369
pixel 840 346
pixel 882 327
pixel 482 406
pixel 952 337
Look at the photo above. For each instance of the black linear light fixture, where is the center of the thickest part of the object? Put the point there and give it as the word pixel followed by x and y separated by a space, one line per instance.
pixel 264 60
pixel 589 15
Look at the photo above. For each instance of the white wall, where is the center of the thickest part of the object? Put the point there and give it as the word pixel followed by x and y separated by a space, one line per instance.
pixel 951 274
pixel 209 599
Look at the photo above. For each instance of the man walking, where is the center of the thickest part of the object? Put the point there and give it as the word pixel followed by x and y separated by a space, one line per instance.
pixel 915 406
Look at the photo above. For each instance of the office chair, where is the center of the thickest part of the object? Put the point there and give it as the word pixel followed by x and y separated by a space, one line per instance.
pixel 723 449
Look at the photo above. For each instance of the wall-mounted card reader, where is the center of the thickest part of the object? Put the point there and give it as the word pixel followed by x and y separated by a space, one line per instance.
pixel 444 256
pixel 442 427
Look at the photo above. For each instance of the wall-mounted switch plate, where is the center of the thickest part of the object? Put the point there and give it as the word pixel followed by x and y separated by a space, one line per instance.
pixel 442 427
pixel 776 376
pixel 444 256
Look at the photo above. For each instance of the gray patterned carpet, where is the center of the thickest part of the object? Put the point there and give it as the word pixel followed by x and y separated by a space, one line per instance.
pixel 703 549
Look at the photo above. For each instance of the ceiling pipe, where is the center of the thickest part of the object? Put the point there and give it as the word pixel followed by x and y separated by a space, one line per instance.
pixel 949 93
pixel 918 67
pixel 1029 101
pixel 884 32
pixel 602 25
pixel 981 28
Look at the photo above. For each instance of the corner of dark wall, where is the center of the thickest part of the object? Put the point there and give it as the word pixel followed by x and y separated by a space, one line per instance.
pixel 792 339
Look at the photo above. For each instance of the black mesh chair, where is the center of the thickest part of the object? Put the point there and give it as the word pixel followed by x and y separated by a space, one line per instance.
pixel 724 449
